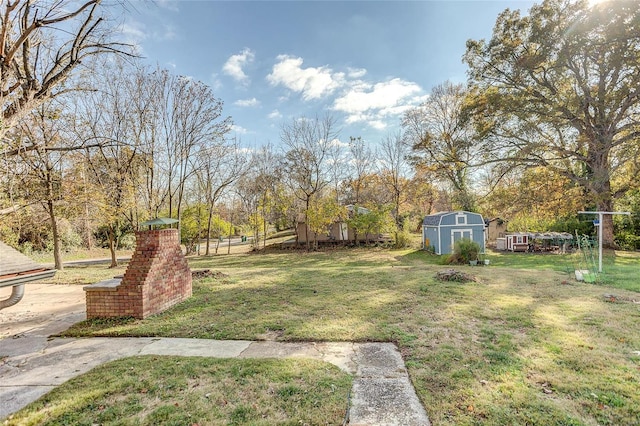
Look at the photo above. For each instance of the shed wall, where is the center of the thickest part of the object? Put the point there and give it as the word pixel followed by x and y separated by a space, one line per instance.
pixel 473 226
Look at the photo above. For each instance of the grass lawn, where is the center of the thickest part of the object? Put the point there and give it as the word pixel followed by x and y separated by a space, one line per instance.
pixel 153 390
pixel 524 344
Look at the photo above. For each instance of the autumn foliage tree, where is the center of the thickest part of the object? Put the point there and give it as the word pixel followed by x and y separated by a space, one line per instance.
pixel 307 142
pixel 323 213
pixel 560 88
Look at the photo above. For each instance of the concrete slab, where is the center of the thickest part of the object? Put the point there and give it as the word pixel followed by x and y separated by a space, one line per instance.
pixel 380 360
pixel 196 347
pixel 385 402
pixel 15 397
pixel 45 309
pixel 382 393
pixel 340 354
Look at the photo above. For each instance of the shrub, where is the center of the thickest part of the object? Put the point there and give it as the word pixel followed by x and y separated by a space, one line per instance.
pixel 403 239
pixel 627 241
pixel 464 251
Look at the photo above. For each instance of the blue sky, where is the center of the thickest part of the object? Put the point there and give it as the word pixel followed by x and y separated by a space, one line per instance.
pixel 270 62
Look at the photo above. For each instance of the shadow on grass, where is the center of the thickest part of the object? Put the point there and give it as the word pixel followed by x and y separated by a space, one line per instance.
pixel 520 343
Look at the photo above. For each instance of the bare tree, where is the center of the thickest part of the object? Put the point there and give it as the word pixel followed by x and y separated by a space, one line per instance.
pixel 361 165
pixel 393 157
pixel 189 120
pixel 41 128
pixel 267 176
pixel 219 167
pixel 307 142
pixel 114 162
pixel 338 164
pixel 41 44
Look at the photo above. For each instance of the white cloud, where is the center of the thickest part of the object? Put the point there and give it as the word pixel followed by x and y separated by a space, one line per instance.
pixel 233 66
pixel 311 82
pixel 169 33
pixel 253 102
pixel 275 114
pixel 136 33
pixel 360 99
pixel 216 83
pixel 380 95
pixel 338 142
pixel 356 72
pixel 239 129
pixel 134 30
pixel 373 103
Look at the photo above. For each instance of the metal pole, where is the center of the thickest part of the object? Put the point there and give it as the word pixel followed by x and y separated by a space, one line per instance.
pixel 600 242
pixel 600 214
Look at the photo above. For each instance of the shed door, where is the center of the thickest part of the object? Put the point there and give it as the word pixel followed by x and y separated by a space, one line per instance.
pixel 459 234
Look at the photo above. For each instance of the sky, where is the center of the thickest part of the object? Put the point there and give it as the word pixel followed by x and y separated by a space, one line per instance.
pixel 270 62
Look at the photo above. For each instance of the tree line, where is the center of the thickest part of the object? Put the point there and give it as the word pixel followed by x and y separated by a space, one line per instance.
pixel 93 142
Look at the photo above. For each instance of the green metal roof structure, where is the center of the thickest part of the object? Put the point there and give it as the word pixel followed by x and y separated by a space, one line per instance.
pixel 159 221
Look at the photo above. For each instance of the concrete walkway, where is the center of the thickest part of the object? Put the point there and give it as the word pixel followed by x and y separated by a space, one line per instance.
pixel 31 364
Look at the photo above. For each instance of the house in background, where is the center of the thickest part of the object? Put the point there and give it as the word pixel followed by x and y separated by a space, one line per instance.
pixel 496 228
pixel 337 232
pixel 440 231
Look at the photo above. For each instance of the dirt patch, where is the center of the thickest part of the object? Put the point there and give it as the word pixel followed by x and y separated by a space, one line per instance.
pixel 455 276
pixel 199 274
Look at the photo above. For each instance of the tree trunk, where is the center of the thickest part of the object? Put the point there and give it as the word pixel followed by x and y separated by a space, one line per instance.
pixel 87 223
pixel 209 220
pixel 57 257
pixel 306 225
pixel 264 226
pixel 112 247
pixel 230 230
pixel 599 186
pixel 55 234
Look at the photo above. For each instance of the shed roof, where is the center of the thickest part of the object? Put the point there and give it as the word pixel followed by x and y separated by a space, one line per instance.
pixel 16 268
pixel 436 218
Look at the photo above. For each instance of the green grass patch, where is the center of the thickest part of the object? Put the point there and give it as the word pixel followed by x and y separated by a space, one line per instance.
pixel 154 390
pixel 525 343
pixel 79 254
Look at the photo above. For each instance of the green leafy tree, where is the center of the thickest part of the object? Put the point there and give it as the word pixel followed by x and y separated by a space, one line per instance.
pixel 560 88
pixel 369 222
pixel 323 212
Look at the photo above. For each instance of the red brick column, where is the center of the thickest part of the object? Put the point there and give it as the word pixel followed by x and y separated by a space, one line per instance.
pixel 157 278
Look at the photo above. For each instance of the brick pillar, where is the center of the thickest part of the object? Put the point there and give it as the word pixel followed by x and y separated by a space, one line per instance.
pixel 157 278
